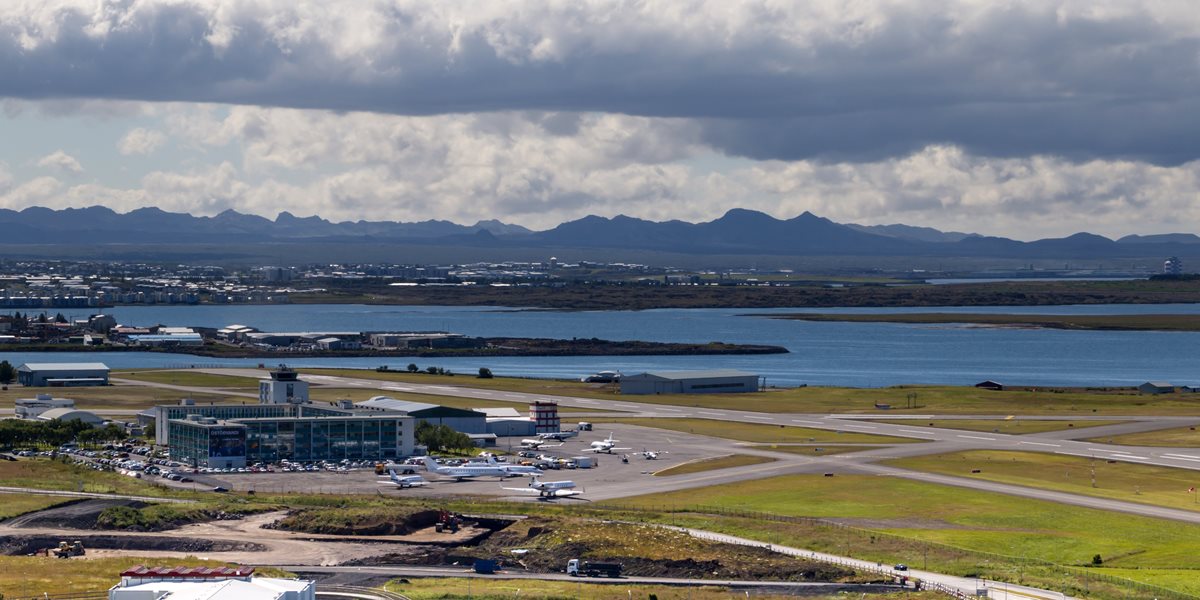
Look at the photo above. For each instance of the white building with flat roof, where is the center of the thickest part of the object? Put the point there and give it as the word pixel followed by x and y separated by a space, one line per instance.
pixel 200 583
pixel 30 408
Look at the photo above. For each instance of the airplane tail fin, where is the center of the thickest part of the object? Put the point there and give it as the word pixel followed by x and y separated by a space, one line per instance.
pixel 430 464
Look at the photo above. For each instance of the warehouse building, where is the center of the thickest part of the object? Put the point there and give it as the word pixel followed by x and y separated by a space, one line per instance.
pixel 62 374
pixel 203 583
pixel 720 381
pixel 458 419
pixel 30 408
pixel 72 414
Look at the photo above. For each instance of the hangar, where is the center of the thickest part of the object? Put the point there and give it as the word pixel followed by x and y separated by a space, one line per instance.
pixel 62 374
pixel 458 419
pixel 718 381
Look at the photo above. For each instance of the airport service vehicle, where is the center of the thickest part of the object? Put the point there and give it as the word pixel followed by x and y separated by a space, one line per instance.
pixel 407 481
pixel 584 462
pixel 548 489
pixel 587 568
pixel 606 445
pixel 486 567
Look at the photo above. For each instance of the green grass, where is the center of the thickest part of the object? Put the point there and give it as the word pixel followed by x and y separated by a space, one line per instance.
pixel 506 589
pixel 1181 437
pixel 1145 484
pixel 758 432
pixel 1108 322
pixel 972 520
pixel 810 449
pixel 12 505
pixel 813 399
pixel 188 378
pixel 32 576
pixel 712 464
pixel 1011 426
pixel 128 397
pixel 46 474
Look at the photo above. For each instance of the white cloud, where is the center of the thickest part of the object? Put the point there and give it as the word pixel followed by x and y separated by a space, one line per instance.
pixel 141 141
pixel 60 161
pixel 769 79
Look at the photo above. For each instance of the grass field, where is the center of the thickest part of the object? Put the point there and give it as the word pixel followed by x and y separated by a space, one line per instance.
pixel 810 450
pixel 507 589
pixel 1145 484
pixel 758 432
pixel 189 378
pixel 812 399
pixel 133 398
pixel 1181 437
pixel 53 475
pixel 12 505
pixel 972 520
pixel 32 576
pixel 1012 426
pixel 712 464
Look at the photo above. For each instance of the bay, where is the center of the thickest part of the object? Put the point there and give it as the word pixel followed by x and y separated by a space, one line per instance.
pixel 822 353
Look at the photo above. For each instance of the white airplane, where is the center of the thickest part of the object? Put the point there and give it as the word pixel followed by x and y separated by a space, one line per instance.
pixel 559 435
pixel 548 489
pixel 605 445
pixel 408 481
pixel 652 454
pixel 538 444
pixel 468 471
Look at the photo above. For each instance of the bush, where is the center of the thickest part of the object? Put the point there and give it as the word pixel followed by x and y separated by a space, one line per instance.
pixel 485 373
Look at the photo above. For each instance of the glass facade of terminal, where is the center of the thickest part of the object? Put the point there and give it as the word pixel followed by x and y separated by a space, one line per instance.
pixel 236 435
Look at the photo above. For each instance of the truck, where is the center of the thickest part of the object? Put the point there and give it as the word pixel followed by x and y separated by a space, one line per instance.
pixel 486 566
pixel 587 568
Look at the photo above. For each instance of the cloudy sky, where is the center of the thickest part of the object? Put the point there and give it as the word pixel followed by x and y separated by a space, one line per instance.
pixel 1019 118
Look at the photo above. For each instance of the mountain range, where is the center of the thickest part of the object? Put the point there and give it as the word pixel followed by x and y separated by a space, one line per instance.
pixel 739 231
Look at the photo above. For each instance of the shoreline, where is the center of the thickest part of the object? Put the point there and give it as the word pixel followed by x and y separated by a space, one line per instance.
pixel 1171 323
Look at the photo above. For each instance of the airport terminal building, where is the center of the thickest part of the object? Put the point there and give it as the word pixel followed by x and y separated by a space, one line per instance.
pixel 234 435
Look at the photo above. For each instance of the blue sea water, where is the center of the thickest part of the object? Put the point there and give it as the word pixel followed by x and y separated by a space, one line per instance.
pixel 845 354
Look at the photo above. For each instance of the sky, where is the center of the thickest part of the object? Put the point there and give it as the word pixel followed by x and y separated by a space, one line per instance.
pixel 1026 119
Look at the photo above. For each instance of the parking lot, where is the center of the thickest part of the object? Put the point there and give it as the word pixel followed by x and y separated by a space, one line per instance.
pixel 673 448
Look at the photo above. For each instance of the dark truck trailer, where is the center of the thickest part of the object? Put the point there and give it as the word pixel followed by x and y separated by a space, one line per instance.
pixel 585 568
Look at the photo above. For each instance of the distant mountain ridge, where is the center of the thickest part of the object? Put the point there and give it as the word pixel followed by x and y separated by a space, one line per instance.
pixel 738 231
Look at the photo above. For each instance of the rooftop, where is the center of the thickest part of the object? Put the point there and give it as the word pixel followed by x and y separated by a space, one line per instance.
pixel 706 374
pixel 94 366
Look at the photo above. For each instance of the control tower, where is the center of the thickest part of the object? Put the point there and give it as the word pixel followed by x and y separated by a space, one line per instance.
pixel 284 387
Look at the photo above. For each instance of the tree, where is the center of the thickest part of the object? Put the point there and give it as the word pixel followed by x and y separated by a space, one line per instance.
pixel 441 438
pixel 59 318
pixel 431 370
pixel 413 368
pixel 7 373
pixel 485 373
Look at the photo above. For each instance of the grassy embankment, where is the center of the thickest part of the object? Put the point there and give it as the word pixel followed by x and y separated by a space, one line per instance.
pixel 12 505
pixel 1130 482
pixel 758 432
pixel 191 378
pixel 506 589
pixel 113 397
pixel 928 399
pixel 955 530
pixel 1010 426
pixel 1180 437
pixel 712 464
pixel 1083 322
pixel 30 576
pixel 59 476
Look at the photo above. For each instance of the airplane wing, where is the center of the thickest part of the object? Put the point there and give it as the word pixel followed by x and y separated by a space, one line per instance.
pixel 520 489
pixel 566 493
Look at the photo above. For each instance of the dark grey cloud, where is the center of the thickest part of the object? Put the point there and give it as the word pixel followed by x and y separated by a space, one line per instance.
pixel 766 80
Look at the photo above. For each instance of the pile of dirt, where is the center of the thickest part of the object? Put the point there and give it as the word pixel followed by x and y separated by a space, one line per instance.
pixel 82 514
pixel 338 521
pixel 20 545
pixel 545 552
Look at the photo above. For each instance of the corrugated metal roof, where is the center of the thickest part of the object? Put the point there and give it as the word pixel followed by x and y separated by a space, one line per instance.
pixel 386 403
pixel 705 374
pixel 64 366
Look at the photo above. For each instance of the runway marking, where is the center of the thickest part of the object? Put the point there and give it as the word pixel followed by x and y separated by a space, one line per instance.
pixel 709 412
pixel 1133 457
pixel 759 418
pixel 859 426
pixel 1043 444
pixel 1110 451
pixel 803 421
pixel 915 431
pixel 1076 454
pixel 1182 456
pixel 977 437
pixel 669 409
pixel 581 401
